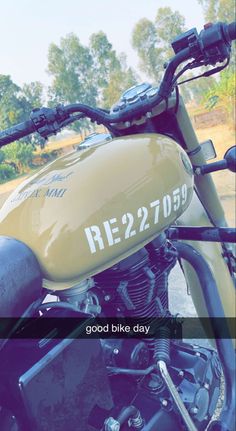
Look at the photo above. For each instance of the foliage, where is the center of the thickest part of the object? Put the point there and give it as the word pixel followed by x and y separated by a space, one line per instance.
pixel 33 94
pixel 120 79
pixel 70 64
pixel 152 40
pixel 2 156
pixel 168 24
pixel 87 74
pixel 223 92
pixel 197 89
pixel 6 172
pixel 105 60
pixel 12 107
pixel 218 10
pixel 111 74
pixel 16 103
pixel 20 154
pixel 145 42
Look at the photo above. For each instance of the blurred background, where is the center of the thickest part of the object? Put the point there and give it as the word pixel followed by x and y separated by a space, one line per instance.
pixel 90 52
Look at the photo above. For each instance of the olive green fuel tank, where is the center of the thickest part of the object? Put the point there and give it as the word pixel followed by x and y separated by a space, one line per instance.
pixel 91 208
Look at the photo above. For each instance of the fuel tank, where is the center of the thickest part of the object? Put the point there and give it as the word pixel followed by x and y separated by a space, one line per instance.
pixel 89 209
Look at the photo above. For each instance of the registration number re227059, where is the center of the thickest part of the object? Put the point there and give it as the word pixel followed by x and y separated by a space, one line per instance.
pixel 147 217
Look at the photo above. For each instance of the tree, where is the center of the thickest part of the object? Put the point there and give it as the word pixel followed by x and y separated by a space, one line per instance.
pixel 152 40
pixel 224 89
pixel 223 92
pixel 111 72
pixel 71 65
pixel 18 153
pixel 33 93
pixel 145 42
pixel 120 79
pixel 196 89
pixel 12 108
pixel 168 25
pixel 16 103
pixel 218 10
pixel 2 156
pixel 105 60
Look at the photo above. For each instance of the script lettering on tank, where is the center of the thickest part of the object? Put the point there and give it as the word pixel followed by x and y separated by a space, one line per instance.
pixel 111 232
pixel 39 193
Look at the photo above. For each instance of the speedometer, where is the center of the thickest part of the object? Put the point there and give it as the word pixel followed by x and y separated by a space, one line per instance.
pixel 133 92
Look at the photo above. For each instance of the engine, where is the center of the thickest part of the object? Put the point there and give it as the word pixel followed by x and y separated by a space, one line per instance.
pixel 137 288
pixel 112 384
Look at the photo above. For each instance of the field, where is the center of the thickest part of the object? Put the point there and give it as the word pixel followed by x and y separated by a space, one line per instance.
pixel 222 137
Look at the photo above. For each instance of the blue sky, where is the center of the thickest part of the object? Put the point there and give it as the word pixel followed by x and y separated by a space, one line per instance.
pixel 28 27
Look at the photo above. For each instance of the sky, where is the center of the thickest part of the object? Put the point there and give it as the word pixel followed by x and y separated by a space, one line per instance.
pixel 27 28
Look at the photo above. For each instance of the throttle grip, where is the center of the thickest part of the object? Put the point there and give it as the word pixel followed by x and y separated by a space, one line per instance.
pixel 16 132
pixel 232 30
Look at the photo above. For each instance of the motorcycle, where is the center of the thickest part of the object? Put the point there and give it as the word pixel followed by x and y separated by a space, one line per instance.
pixel 101 228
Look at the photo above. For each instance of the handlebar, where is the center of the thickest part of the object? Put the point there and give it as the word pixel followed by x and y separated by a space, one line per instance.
pixel 212 45
pixel 231 28
pixel 16 132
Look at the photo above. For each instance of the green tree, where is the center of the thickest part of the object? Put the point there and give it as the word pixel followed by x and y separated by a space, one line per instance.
pixel 223 93
pixel 152 40
pixel 112 76
pixel 168 25
pixel 18 153
pixel 120 79
pixel 105 60
pixel 71 66
pixel 12 107
pixel 196 89
pixel 218 10
pixel 33 93
pixel 16 103
pixel 2 156
pixel 146 43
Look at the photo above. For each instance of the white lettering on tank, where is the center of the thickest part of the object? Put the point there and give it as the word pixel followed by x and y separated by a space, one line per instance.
pixel 143 213
pixel 128 219
pixel 176 198
pixel 143 219
pixel 94 236
pixel 167 206
pixel 110 231
pixel 184 193
pixel 156 205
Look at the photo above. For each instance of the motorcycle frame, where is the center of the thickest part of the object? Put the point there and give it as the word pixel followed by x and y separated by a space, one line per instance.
pixel 205 210
pixel 171 118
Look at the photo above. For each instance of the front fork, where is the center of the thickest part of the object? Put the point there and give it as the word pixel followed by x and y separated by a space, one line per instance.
pixel 205 210
pixel 212 252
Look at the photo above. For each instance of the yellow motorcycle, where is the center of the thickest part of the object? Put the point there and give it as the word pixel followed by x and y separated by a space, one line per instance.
pixel 100 229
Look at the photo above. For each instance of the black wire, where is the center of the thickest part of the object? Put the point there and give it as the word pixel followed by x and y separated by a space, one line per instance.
pixel 177 99
pixel 207 73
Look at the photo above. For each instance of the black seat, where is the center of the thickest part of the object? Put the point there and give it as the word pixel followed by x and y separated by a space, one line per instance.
pixel 20 277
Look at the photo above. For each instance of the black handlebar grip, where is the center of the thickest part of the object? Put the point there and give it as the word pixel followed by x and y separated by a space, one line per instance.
pixel 232 30
pixel 16 132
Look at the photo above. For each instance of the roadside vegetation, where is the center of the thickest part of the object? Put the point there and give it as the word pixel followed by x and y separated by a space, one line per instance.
pixel 97 75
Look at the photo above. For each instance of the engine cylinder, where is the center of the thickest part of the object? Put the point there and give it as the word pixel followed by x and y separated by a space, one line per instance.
pixel 138 287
